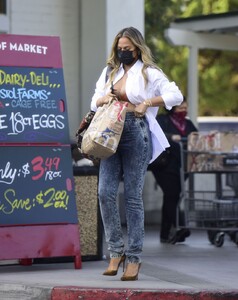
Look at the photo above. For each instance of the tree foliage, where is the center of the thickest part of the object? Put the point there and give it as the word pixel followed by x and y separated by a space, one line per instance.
pixel 218 77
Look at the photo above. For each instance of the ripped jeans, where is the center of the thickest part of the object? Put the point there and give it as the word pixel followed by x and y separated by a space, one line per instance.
pixel 129 163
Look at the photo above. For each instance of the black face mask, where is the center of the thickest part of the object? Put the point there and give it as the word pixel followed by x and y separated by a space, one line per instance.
pixel 125 57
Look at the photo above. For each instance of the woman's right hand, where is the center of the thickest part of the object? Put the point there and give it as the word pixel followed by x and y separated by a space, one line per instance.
pixel 105 99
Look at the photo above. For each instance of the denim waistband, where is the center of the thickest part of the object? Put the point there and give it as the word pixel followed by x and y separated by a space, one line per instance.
pixel 131 115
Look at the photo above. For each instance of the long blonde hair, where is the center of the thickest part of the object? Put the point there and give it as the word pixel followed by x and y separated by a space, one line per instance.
pixel 144 52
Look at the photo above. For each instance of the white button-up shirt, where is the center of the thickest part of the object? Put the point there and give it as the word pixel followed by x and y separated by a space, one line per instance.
pixel 137 92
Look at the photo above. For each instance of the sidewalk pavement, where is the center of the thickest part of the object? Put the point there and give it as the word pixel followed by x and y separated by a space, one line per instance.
pixel 186 271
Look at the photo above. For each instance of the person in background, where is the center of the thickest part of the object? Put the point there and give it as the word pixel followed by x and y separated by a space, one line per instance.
pixel 135 79
pixel 177 127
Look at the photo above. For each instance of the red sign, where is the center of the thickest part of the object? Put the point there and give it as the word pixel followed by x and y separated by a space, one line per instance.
pixel 30 51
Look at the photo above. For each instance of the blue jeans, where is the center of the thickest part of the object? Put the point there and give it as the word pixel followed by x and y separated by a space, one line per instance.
pixel 129 163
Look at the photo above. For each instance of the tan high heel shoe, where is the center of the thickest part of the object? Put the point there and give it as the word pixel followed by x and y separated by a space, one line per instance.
pixel 114 265
pixel 132 271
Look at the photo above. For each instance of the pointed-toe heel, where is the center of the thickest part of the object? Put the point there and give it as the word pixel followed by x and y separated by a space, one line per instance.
pixel 114 265
pixel 132 272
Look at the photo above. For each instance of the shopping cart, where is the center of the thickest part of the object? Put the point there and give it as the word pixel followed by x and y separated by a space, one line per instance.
pixel 214 210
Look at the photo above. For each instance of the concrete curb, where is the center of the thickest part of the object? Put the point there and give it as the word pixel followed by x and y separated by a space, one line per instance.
pixel 75 293
pixel 24 292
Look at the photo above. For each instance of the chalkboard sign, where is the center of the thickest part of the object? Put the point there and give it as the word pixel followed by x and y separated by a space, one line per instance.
pixel 36 174
pixel 33 105
pixel 36 185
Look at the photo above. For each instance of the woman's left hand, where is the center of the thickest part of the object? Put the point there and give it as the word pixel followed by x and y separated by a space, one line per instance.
pixel 140 110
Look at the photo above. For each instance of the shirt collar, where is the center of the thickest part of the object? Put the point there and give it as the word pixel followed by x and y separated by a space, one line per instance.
pixel 135 68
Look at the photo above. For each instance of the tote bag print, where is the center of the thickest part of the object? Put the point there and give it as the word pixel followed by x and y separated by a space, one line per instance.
pixel 103 135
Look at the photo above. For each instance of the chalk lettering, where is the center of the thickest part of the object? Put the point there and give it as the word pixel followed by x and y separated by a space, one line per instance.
pixel 23 94
pixel 50 193
pixel 51 198
pixel 32 94
pixel 47 104
pixel 36 122
pixel 2 121
pixel 21 104
pixel 7 174
pixel 58 196
pixel 12 203
pixel 25 169
pixel 39 79
pixel 8 94
pixel 13 79
pixel 40 166
pixel 52 174
pixel 39 198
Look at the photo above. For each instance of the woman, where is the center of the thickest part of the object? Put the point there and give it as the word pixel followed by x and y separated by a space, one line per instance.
pixel 176 127
pixel 137 80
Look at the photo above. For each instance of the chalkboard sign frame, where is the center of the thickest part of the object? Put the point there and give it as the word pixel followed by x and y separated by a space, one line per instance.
pixel 32 75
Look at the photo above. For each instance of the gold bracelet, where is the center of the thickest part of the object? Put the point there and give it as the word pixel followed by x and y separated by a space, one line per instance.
pixel 147 103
